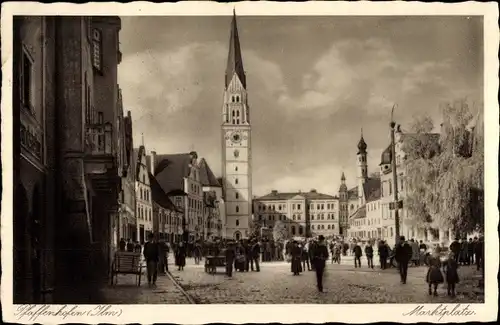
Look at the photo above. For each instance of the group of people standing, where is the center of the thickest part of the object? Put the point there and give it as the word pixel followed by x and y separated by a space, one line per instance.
pixel 313 253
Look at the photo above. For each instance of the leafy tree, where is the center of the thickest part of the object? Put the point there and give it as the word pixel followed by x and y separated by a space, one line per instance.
pixel 444 175
pixel 254 229
pixel 280 231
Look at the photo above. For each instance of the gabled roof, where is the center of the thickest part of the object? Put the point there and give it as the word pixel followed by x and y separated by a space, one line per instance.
pixel 277 196
pixel 234 59
pixel 359 214
pixel 371 189
pixel 170 171
pixel 159 196
pixel 207 177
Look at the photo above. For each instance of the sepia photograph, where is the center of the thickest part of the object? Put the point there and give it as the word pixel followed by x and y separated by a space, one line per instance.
pixel 230 157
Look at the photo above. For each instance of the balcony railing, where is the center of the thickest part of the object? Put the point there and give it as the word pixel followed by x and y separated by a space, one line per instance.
pixel 99 139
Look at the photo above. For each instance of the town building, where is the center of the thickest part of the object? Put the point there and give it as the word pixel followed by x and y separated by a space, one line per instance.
pixel 214 212
pixel 143 197
pixel 67 169
pixel 179 177
pixel 304 214
pixel 236 143
pixel 127 224
pixel 167 218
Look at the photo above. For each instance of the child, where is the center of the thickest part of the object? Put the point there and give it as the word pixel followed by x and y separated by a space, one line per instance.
pixel 434 275
pixel 451 267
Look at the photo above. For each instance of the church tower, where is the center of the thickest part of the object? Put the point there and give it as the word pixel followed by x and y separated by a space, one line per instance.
pixel 236 144
pixel 362 168
pixel 343 208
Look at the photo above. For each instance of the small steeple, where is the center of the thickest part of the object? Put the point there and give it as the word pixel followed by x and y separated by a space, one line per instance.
pixel 362 144
pixel 234 59
pixel 343 177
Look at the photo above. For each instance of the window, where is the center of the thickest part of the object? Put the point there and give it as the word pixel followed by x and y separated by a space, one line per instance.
pixel 236 168
pixel 238 100
pixel 293 230
pixel 27 81
pixel 237 195
pixel 390 188
pixel 237 209
pixel 233 113
pixel 237 222
pixel 97 49
pixel 236 181
pixel 301 230
pixel 298 206
pixel 232 100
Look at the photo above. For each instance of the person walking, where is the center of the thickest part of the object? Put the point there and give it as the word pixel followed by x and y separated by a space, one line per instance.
pixel 455 248
pixel 305 257
pixel 151 255
pixel 434 276
pixel 402 255
pixel 296 266
pixel 450 269
pixel 130 245
pixel 479 253
pixel 311 250
pixel 230 255
pixel 180 256
pixel 319 261
pixel 383 253
pixel 369 254
pixel 122 245
pixel 415 252
pixel 470 252
pixel 358 252
pixel 255 251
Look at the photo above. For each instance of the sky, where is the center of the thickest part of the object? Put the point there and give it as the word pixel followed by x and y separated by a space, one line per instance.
pixel 313 84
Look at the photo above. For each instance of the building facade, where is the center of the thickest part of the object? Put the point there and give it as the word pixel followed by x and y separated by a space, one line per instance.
pixel 304 214
pixel 236 143
pixel 143 197
pixel 179 177
pixel 213 201
pixel 66 156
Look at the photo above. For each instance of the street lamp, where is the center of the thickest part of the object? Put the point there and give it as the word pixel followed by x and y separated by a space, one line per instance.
pixel 395 204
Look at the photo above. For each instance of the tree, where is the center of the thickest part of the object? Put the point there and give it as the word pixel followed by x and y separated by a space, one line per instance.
pixel 444 176
pixel 280 231
pixel 254 229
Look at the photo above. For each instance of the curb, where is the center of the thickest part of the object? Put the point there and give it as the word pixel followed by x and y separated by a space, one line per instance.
pixel 184 292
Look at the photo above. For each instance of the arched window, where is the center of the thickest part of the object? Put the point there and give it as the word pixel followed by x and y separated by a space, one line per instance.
pixel 237 222
pixel 237 209
pixel 237 195
pixel 233 113
pixel 232 99
pixel 301 230
pixel 141 194
pixel 238 113
pixel 236 168
pixel 237 99
pixel 312 227
pixel 236 181
pixel 293 230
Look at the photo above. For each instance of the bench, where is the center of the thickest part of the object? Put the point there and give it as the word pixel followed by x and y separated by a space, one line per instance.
pixel 212 262
pixel 126 263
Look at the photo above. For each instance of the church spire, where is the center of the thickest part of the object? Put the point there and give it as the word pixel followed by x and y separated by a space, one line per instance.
pixel 234 60
pixel 343 177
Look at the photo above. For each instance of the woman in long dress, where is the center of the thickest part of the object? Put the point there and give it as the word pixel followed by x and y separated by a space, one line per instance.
pixel 296 259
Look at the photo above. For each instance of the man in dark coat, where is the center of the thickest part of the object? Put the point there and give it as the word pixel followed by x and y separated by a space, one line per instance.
pixel 402 255
pixel 230 257
pixel 312 247
pixel 122 245
pixel 319 261
pixel 358 252
pixel 130 245
pixel 369 254
pixel 479 253
pixel 151 255
pixel 383 253
pixel 470 252
pixel 455 248
pixel 255 255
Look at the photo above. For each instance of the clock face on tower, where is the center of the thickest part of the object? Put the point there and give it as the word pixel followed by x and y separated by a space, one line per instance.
pixel 236 137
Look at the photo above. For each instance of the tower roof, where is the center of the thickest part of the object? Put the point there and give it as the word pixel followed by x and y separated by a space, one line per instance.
pixel 234 59
pixel 342 178
pixel 362 145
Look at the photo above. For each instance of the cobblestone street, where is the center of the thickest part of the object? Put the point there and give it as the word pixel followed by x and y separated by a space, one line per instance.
pixel 343 284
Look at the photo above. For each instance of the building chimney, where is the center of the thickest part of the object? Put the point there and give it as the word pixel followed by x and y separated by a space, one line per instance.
pixel 153 162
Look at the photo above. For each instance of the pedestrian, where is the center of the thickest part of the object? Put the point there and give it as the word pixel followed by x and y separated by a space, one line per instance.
pixel 470 252
pixel 434 276
pixel 137 247
pixel 122 245
pixel 423 247
pixel 369 254
pixel 383 253
pixel 151 255
pixel 402 255
pixel 180 256
pixel 248 254
pixel 130 245
pixel 415 252
pixel 311 248
pixel 358 252
pixel 455 248
pixel 230 255
pixel 479 253
pixel 305 257
pixel 296 266
pixel 319 260
pixel 451 272
pixel 255 251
